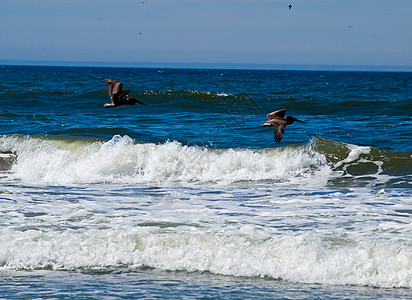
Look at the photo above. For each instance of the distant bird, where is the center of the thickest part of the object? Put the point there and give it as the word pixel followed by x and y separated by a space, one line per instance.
pixel 290 6
pixel 350 26
pixel 277 120
pixel 117 95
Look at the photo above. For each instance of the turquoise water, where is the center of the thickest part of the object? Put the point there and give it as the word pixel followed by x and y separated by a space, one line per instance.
pixel 189 197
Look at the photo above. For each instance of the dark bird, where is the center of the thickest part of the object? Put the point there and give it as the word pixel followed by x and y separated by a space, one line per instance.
pixel 277 120
pixel 290 6
pixel 117 95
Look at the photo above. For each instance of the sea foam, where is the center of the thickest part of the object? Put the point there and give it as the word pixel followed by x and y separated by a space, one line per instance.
pixel 302 258
pixel 123 160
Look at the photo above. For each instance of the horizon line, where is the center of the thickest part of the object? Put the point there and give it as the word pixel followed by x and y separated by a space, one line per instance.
pixel 229 66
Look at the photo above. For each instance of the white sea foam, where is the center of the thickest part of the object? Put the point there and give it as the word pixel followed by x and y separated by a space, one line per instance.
pixel 354 154
pixel 288 224
pixel 123 160
pixel 295 258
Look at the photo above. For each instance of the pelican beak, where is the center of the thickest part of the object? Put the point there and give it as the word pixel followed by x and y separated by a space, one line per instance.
pixel 299 121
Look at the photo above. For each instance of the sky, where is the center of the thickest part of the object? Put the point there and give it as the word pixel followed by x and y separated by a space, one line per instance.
pixel 371 33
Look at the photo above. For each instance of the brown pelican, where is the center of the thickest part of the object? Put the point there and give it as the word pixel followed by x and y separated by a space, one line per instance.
pixel 277 120
pixel 117 95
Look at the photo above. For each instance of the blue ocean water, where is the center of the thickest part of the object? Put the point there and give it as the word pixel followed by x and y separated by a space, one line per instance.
pixel 190 197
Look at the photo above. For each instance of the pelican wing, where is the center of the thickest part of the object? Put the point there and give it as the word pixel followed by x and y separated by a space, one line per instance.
pixel 279 114
pixel 117 87
pixel 279 130
pixel 111 83
pixel 108 80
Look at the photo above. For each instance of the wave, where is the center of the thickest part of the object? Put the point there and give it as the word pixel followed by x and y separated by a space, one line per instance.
pixel 199 100
pixel 64 160
pixel 81 98
pixel 187 94
pixel 360 165
pixel 259 103
pixel 245 252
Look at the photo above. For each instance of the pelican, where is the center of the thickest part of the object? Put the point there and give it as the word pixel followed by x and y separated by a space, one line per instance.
pixel 277 120
pixel 117 95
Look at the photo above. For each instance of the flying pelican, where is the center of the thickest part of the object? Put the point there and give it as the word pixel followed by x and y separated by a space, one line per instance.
pixel 277 120
pixel 117 95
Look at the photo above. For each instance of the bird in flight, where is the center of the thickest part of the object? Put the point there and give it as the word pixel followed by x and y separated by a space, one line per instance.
pixel 277 120
pixel 117 95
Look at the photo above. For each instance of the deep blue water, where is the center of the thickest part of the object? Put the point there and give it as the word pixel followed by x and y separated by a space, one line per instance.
pixel 189 197
pixel 362 108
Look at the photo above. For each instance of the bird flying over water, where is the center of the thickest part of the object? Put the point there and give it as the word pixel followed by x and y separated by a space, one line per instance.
pixel 117 95
pixel 277 120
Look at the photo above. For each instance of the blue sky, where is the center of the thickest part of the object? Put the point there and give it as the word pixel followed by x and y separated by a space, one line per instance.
pixel 313 32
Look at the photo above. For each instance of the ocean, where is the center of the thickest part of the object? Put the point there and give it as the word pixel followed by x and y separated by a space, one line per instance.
pixel 189 197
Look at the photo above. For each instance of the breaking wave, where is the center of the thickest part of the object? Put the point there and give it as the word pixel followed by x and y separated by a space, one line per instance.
pixel 64 160
pixel 302 258
pixel 121 159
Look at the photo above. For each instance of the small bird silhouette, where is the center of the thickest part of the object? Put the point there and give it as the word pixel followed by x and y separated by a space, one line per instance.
pixel 277 120
pixel 290 6
pixel 117 95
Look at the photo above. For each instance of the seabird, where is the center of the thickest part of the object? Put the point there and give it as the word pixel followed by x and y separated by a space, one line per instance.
pixel 277 120
pixel 290 6
pixel 117 95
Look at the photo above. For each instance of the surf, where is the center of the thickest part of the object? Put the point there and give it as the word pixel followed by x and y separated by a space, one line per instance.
pixel 245 252
pixel 123 160
pixel 366 165
pixel 65 160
